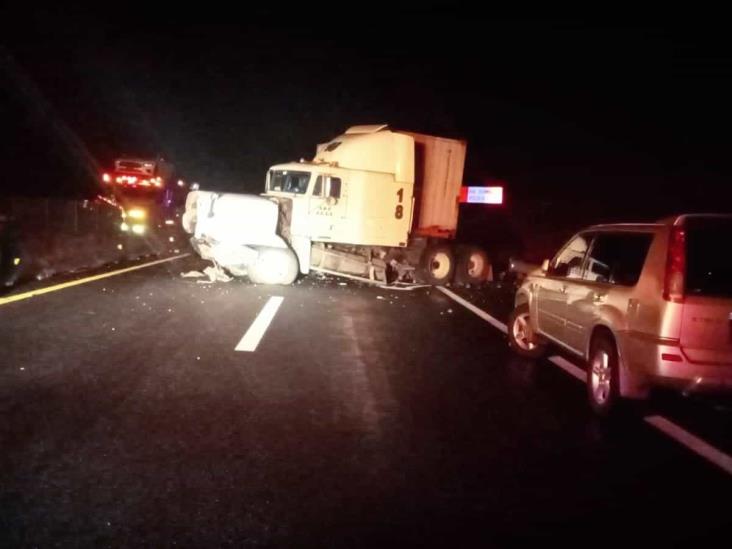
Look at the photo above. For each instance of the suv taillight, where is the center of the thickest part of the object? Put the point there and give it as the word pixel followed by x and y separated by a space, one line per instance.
pixel 673 288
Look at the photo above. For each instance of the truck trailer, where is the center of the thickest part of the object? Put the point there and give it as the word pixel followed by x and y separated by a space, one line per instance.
pixel 375 204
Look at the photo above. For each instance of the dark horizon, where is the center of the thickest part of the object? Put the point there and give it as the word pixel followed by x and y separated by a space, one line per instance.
pixel 560 110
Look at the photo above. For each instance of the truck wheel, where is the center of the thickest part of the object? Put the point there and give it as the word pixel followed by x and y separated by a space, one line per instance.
pixel 274 266
pixel 520 336
pixel 437 265
pixel 603 376
pixel 473 265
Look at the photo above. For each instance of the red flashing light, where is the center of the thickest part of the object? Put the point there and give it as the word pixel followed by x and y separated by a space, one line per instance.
pixel 673 288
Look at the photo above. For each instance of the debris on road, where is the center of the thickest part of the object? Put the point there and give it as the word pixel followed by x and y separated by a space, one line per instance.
pixel 192 274
pixel 403 287
pixel 216 274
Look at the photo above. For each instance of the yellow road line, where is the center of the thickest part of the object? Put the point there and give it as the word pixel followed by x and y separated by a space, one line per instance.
pixel 48 289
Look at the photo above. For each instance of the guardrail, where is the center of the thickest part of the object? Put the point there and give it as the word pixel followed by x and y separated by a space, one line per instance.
pixel 40 237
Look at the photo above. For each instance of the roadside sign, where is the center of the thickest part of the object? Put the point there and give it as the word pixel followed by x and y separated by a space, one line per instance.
pixel 481 195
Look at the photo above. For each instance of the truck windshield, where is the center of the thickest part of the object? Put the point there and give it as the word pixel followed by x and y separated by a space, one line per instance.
pixel 287 181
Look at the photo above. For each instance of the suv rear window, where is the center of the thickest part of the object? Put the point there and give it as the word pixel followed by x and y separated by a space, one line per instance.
pixel 617 258
pixel 708 261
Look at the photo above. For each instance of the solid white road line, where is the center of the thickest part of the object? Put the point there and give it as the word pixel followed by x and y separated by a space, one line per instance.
pixel 568 367
pixel 70 283
pixel 475 310
pixel 692 442
pixel 258 328
pixel 665 425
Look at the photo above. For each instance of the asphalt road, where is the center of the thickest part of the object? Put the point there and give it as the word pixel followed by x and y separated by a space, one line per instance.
pixel 364 418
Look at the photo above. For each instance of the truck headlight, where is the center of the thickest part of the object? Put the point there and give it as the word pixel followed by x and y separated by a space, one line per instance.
pixel 138 229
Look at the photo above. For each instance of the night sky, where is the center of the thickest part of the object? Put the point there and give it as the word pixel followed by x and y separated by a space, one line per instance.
pixel 629 118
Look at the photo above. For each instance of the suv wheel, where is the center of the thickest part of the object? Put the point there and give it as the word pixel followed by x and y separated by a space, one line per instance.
pixel 521 337
pixel 603 377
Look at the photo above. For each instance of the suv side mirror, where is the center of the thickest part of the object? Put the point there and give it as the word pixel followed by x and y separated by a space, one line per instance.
pixel 545 266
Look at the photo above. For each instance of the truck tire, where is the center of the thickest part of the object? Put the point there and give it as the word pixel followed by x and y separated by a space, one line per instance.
pixel 437 265
pixel 473 265
pixel 274 266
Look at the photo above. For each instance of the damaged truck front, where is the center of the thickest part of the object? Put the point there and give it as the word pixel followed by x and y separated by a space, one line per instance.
pixel 373 204
pixel 240 233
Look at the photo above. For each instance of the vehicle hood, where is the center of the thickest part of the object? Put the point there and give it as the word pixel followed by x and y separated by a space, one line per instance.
pixel 236 219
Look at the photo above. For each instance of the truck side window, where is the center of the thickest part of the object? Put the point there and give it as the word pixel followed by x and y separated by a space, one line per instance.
pixel 334 187
pixel 318 189
pixel 569 262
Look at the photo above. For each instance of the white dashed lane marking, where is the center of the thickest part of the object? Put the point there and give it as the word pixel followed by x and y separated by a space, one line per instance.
pixel 256 331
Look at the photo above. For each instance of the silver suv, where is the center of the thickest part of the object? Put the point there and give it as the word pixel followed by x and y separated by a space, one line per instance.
pixel 642 304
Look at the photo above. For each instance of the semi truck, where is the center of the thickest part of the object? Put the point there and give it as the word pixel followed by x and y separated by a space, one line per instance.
pixel 147 194
pixel 373 204
pixel 139 173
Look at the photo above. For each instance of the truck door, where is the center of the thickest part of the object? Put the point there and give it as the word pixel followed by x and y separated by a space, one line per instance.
pixel 326 208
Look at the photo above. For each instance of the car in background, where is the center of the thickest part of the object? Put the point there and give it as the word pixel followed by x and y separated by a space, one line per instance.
pixel 644 305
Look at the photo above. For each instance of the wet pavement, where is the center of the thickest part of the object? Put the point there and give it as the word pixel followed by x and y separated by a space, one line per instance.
pixel 365 417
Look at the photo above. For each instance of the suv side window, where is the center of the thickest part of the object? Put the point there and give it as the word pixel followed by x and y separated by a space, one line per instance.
pixel 569 261
pixel 617 258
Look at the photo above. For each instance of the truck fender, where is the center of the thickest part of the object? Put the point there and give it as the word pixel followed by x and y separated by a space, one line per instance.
pixel 302 245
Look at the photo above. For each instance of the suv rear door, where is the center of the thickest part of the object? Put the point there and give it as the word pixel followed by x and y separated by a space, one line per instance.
pixel 706 325
pixel 612 268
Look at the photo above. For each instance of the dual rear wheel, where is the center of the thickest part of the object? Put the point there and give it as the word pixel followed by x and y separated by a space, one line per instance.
pixel 442 264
